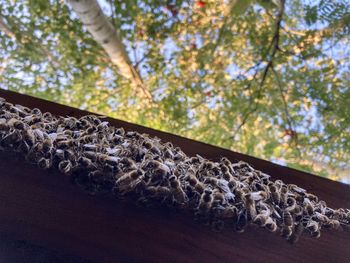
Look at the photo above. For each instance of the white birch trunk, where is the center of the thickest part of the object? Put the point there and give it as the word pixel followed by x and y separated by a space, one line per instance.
pixel 107 36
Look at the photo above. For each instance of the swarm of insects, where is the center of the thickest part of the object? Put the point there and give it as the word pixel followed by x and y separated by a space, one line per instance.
pixel 104 159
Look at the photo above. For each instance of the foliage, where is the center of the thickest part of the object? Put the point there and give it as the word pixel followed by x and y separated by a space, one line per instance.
pixel 248 75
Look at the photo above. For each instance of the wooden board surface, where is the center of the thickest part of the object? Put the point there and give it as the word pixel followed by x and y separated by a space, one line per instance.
pixel 44 218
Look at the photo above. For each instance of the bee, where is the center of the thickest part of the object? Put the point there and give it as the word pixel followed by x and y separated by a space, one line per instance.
pixel 199 188
pixel 261 219
pixel 11 139
pixel 290 204
pixel 179 156
pixel 217 225
pixel 24 147
pixel 205 201
pixel 155 150
pixel 36 111
pixel 258 186
pixel 298 213
pixel 298 230
pixel 44 163
pixel 91 147
pixel 112 160
pixel 4 127
pixel 312 226
pixel 219 198
pixel 82 123
pixel 86 162
pixel 226 162
pixel 91 155
pixel 117 139
pixel 242 167
pixel 128 164
pixel 147 144
pixel 297 189
pixel 65 144
pixel 348 215
pixel 87 139
pixel 31 119
pixel 48 116
pixel 90 130
pixel 230 212
pixel 334 224
pixel 308 206
pixel 275 193
pixel 242 221
pixel 159 192
pixel 2 101
pixel 283 198
pixel 7 105
pixel 211 180
pixel 47 145
pixel 286 231
pixel 103 126
pixel 316 234
pixel 321 218
pixel 96 176
pixel 68 133
pixel 179 195
pixel 250 205
pixel 339 214
pixel 233 184
pixel 192 179
pixel 161 171
pixel 159 168
pixel 49 127
pixel 20 125
pixel 65 167
pixel 129 181
pixel 59 154
pixel 209 165
pixel 16 110
pixel 194 160
pixel 287 218
pixel 194 182
pixel 34 154
pixel 271 225
pixel 109 169
pixel 70 123
pixel 227 175
pixel 240 193
pixel 101 158
pixel 258 196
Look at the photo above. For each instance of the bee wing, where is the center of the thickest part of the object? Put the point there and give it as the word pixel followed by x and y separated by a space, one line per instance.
pixel 53 136
pixel 112 151
pixel 201 159
pixel 223 186
pixel 256 196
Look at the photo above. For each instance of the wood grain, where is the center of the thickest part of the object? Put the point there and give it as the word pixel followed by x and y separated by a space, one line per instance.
pixel 44 218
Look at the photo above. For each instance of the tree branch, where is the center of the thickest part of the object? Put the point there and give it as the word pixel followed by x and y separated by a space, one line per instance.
pixel 289 119
pixel 226 15
pixel 7 30
pixel 272 50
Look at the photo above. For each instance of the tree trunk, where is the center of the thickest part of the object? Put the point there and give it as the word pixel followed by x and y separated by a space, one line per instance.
pixel 107 36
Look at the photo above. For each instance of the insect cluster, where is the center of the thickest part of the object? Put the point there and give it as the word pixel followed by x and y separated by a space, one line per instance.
pixel 104 159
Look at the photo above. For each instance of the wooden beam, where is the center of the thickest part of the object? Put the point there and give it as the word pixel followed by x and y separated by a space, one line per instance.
pixel 44 217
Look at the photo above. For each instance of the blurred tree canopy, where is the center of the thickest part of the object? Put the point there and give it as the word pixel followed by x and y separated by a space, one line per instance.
pixel 269 78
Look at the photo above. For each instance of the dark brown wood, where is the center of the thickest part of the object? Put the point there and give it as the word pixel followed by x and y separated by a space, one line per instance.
pixel 44 218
